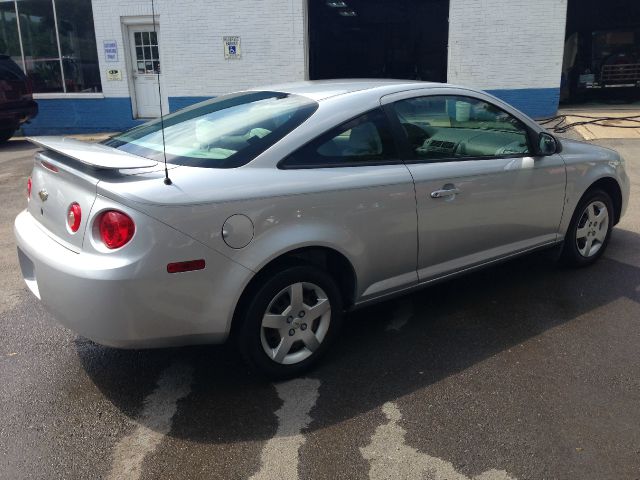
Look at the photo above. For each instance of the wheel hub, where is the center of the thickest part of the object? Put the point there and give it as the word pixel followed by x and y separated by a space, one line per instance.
pixel 592 229
pixel 295 323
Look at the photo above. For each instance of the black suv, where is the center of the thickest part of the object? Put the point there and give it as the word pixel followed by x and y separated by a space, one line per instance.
pixel 16 99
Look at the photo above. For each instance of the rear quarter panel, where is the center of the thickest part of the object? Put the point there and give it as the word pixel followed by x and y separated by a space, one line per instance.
pixel 365 213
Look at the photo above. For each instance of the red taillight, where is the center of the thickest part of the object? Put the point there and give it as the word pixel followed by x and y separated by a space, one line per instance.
pixel 116 228
pixel 29 188
pixel 74 216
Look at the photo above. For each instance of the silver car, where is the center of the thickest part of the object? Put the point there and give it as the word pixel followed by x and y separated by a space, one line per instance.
pixel 278 209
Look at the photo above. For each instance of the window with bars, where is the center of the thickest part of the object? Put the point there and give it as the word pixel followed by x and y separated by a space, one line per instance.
pixel 147 59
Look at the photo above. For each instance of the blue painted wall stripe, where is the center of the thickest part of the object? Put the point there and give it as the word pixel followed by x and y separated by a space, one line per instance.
pixel 535 102
pixel 113 114
pixel 64 116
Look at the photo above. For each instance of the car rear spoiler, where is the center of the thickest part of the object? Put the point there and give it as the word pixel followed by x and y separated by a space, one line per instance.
pixel 93 154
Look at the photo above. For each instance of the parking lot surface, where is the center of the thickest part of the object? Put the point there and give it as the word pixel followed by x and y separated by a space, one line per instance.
pixel 521 371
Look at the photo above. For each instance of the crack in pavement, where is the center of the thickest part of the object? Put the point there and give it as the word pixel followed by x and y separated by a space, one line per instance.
pixel 154 422
pixel 280 455
pixel 391 458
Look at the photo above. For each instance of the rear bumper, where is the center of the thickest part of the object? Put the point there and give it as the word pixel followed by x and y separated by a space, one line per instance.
pixel 132 302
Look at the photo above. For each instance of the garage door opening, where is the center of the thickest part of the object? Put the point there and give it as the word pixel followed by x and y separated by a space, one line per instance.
pixel 602 51
pixel 404 39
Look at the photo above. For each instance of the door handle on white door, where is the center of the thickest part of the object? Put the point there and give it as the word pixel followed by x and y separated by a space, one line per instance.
pixel 448 192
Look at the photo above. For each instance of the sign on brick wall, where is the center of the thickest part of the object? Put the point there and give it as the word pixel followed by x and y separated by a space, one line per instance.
pixel 114 74
pixel 110 50
pixel 231 47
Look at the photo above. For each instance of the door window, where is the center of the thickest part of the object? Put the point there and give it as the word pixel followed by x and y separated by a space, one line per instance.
pixel 455 128
pixel 363 140
pixel 147 58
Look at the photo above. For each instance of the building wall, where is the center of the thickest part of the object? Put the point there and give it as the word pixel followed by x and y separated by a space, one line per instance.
pixel 511 48
pixel 191 57
pixel 272 42
pixel 191 31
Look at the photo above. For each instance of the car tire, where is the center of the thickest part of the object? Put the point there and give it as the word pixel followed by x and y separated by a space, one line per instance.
pixel 6 134
pixel 590 229
pixel 283 316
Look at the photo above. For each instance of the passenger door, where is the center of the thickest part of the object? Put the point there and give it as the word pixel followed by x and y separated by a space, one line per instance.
pixel 480 193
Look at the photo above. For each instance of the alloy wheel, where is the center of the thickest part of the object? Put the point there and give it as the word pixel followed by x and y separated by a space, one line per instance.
pixel 592 229
pixel 295 323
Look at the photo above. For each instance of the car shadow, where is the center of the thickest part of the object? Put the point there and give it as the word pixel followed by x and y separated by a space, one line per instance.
pixel 450 327
pixel 17 144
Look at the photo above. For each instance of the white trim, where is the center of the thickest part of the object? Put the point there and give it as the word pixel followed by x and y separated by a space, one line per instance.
pixel 55 24
pixel 305 40
pixel 139 20
pixel 127 24
pixel 24 65
pixel 66 96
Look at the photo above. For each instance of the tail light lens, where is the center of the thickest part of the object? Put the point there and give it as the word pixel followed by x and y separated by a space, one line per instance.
pixel 74 217
pixel 29 189
pixel 116 228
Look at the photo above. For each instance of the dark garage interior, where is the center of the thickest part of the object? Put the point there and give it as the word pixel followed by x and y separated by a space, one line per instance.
pixel 404 39
pixel 602 51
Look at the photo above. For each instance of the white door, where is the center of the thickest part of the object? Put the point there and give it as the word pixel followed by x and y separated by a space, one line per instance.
pixel 145 60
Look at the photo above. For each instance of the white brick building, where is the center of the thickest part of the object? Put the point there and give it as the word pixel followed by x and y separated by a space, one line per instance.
pixel 512 48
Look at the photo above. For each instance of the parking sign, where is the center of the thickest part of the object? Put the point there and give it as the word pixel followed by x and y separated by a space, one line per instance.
pixel 231 47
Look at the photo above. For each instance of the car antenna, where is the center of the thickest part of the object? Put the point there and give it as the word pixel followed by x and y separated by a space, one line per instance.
pixel 167 180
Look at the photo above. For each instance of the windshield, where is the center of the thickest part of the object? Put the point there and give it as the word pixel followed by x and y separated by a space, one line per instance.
pixel 225 132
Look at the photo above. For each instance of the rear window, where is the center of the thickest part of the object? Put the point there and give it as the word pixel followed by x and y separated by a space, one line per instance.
pixel 225 132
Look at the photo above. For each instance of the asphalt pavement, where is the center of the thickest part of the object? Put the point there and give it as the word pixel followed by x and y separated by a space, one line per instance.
pixel 521 371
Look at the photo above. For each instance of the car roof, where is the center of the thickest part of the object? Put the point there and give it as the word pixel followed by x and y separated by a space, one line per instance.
pixel 322 89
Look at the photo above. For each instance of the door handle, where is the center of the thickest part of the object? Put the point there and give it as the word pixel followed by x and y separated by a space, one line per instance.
pixel 449 192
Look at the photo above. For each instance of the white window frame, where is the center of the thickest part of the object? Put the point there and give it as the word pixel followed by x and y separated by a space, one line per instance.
pixel 60 95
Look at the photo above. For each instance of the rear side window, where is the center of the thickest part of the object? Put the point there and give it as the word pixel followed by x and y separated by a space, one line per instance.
pixel 361 141
pixel 226 132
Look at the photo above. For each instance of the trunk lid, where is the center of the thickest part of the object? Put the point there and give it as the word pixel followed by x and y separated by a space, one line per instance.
pixel 67 172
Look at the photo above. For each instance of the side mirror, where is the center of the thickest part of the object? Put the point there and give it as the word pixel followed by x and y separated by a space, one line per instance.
pixel 547 144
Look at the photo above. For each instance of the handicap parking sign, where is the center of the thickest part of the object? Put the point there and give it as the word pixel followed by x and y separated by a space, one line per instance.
pixel 231 47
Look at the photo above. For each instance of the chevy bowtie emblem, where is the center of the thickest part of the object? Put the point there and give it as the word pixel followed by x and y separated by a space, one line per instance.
pixel 43 194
